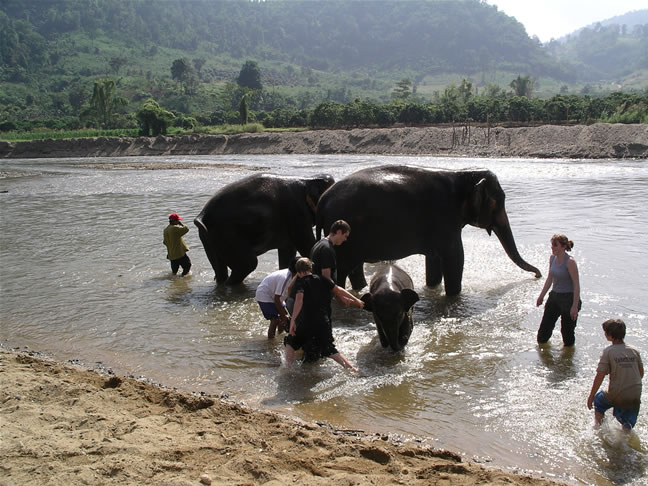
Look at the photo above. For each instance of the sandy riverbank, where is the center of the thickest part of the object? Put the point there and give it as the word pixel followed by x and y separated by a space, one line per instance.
pixel 66 425
pixel 598 141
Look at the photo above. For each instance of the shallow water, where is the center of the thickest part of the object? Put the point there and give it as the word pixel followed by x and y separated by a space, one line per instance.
pixel 84 277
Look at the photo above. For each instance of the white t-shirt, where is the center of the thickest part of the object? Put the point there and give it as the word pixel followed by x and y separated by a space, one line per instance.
pixel 273 284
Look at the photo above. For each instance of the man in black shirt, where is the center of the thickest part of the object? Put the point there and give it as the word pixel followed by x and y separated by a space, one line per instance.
pixel 323 252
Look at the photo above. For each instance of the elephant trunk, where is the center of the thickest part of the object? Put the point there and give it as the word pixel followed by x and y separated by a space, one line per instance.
pixel 502 229
pixel 392 335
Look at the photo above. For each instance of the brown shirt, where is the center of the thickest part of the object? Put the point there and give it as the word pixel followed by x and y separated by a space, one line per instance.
pixel 623 364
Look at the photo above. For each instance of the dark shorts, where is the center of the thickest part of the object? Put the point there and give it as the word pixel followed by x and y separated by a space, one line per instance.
pixel 626 417
pixel 314 346
pixel 269 310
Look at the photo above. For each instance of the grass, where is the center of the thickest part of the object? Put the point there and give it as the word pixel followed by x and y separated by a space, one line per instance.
pixel 55 134
pixel 133 132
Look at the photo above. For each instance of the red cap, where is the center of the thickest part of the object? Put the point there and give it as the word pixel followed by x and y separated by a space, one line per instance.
pixel 174 216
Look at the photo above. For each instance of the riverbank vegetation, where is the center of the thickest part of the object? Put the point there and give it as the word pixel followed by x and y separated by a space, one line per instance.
pixel 184 67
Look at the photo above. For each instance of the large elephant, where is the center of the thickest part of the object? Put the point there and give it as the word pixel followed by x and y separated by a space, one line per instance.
pixel 396 211
pixel 256 214
pixel 390 299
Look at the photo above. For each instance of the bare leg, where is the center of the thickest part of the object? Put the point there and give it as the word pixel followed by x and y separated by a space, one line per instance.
pixel 339 358
pixel 598 418
pixel 272 329
pixel 290 355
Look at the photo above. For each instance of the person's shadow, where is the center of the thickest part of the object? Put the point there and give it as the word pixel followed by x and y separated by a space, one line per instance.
pixel 559 361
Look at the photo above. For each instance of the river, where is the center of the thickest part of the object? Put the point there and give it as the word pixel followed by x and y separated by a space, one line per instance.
pixel 84 277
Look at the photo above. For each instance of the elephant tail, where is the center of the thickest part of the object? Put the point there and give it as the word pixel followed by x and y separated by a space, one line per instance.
pixel 220 268
pixel 198 222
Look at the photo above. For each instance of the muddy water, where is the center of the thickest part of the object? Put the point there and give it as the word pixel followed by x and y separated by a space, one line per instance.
pixel 84 277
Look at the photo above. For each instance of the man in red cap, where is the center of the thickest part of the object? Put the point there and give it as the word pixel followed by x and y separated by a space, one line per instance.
pixel 176 247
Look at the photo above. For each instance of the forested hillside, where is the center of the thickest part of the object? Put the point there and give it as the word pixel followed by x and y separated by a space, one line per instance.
pixel 612 49
pixel 58 57
pixel 434 36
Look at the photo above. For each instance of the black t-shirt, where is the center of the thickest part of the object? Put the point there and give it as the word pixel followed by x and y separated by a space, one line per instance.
pixel 316 301
pixel 323 256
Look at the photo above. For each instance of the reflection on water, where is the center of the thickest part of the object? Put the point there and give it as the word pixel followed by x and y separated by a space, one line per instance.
pixel 559 363
pixel 85 277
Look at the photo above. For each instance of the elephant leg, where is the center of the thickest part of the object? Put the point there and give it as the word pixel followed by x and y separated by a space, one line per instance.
pixel 242 269
pixel 220 269
pixel 286 256
pixel 240 258
pixel 433 274
pixel 405 331
pixel 452 263
pixel 357 278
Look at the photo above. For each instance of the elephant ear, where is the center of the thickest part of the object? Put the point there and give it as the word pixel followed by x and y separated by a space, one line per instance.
pixel 483 205
pixel 368 302
pixel 408 298
pixel 317 186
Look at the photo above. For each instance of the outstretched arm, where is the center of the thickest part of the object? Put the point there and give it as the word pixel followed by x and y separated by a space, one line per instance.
pixel 347 298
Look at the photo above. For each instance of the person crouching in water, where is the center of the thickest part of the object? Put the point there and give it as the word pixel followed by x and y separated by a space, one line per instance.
pixel 313 332
pixel 271 294
pixel 623 363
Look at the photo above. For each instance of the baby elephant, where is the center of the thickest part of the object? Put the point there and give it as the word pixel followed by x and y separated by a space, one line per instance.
pixel 390 299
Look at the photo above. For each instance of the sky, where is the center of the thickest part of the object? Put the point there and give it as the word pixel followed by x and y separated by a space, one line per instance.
pixel 555 18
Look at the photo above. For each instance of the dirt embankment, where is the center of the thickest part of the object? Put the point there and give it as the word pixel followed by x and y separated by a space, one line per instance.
pixel 596 141
pixel 63 425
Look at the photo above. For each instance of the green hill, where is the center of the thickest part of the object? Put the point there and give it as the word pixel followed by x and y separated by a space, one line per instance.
pixel 52 51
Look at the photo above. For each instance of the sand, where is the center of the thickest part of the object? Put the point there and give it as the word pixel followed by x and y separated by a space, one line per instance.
pixel 61 424
pixel 597 141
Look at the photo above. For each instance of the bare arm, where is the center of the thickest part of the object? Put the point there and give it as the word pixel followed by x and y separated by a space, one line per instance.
pixel 572 268
pixel 598 380
pixel 339 358
pixel 641 370
pixel 281 308
pixel 347 298
pixel 299 302
pixel 326 272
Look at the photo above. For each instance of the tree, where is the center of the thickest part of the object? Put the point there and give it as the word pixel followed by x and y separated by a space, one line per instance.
pixel 403 90
pixel 181 69
pixel 523 86
pixel 183 72
pixel 327 114
pixel 243 110
pixel 198 63
pixel 104 102
pixel 153 119
pixel 250 76
pixel 116 63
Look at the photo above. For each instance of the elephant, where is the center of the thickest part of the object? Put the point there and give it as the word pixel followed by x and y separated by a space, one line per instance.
pixel 396 211
pixel 390 299
pixel 256 214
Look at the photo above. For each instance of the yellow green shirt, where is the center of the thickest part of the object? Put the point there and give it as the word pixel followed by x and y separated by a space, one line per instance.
pixel 176 246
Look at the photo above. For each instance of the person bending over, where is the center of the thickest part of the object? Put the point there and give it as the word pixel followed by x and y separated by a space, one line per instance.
pixel 313 333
